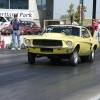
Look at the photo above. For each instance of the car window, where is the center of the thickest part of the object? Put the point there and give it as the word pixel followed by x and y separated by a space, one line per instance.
pixel 2 19
pixel 67 30
pixel 76 31
pixel 85 33
pixel 31 24
pixel 9 18
pixel 27 23
pixel 34 24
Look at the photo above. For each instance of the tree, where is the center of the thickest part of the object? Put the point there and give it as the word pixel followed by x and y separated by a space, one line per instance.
pixel 77 13
pixel 70 11
pixel 64 17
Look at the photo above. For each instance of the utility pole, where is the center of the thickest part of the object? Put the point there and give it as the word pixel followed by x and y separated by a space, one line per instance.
pixel 81 13
pixel 93 13
pixel 71 19
pixel 94 10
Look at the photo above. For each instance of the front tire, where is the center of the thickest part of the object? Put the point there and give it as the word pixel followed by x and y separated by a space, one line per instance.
pixel 31 58
pixel 74 58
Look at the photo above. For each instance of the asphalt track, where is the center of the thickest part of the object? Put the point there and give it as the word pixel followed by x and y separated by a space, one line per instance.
pixel 47 81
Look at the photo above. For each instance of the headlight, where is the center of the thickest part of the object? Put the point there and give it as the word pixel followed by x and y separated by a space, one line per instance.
pixel 27 42
pixel 69 44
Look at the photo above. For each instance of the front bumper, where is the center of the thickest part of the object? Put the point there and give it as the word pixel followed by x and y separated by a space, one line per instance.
pixel 49 50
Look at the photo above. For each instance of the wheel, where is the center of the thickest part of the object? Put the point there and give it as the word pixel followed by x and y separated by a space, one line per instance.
pixel 74 58
pixel 29 33
pixel 22 46
pixel 39 33
pixel 91 56
pixel 31 58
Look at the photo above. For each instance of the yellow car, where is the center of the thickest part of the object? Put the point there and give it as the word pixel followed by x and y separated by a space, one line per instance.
pixel 59 42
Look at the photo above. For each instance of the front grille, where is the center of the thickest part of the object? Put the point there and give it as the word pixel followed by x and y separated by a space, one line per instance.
pixel 46 49
pixel 47 42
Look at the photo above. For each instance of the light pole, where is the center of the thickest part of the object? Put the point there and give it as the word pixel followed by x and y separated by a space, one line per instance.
pixel 94 10
pixel 93 13
pixel 81 13
pixel 71 19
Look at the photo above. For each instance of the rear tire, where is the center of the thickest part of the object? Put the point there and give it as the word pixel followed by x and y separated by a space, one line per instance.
pixel 39 33
pixel 31 58
pixel 91 56
pixel 74 58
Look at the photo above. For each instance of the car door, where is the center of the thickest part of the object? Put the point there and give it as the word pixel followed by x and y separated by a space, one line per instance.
pixel 86 44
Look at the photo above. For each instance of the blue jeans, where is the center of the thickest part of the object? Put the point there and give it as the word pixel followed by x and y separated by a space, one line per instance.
pixel 14 35
pixel 99 35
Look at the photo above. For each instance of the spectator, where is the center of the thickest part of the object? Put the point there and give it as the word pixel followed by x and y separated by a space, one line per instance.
pixel 95 25
pixel 99 30
pixel 74 22
pixel 95 29
pixel 16 27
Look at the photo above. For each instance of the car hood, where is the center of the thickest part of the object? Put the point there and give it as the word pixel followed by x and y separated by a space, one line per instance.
pixel 26 26
pixel 54 36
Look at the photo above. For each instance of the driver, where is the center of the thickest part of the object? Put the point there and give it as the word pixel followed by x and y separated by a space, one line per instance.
pixel 84 34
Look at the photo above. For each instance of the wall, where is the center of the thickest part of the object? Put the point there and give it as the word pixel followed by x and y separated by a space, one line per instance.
pixel 41 15
pixel 8 39
pixel 88 21
pixel 38 16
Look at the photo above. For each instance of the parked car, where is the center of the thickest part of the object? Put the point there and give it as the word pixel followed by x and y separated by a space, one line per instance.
pixel 4 21
pixel 59 42
pixel 28 28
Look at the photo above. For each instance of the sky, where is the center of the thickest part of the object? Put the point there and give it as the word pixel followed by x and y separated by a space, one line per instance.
pixel 61 6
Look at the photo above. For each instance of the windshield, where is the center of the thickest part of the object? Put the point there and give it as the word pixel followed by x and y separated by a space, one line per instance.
pixel 26 23
pixel 67 30
pixel 9 18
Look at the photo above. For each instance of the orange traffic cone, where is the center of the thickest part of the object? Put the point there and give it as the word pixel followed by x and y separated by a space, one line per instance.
pixel 3 44
pixel 0 42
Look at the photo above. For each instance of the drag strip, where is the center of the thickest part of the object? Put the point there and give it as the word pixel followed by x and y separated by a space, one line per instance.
pixel 46 81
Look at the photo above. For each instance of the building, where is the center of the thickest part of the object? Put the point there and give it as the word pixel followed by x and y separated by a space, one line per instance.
pixel 35 10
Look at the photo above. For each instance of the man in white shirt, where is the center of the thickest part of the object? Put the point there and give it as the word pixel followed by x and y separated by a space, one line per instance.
pixel 74 22
pixel 99 29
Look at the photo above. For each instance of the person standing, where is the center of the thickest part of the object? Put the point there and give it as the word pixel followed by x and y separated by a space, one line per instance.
pixel 99 30
pixel 15 26
pixel 74 22
pixel 95 28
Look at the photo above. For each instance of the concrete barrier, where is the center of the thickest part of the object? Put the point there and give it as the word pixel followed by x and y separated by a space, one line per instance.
pixel 8 39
